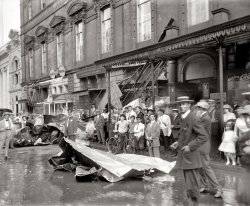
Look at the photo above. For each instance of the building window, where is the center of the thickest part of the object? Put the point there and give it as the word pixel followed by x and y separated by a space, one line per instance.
pixel 198 11
pixel 29 10
pixel 43 4
pixel 15 79
pixel 106 30
pixel 143 20
pixel 16 64
pixel 44 58
pixel 31 68
pixel 79 41
pixel 59 47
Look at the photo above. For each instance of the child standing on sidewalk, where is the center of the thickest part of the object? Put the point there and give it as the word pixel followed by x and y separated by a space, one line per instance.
pixel 228 142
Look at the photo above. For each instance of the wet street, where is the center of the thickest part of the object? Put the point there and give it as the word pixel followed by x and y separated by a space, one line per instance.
pixel 28 179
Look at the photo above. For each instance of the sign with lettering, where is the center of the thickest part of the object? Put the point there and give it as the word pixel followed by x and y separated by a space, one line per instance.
pixel 216 96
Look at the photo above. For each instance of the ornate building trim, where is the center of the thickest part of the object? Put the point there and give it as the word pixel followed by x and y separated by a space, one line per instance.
pixel 29 42
pixel 41 34
pixel 57 24
pixel 77 11
pixel 101 4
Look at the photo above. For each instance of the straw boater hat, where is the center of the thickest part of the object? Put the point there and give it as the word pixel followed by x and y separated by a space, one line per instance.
pixel 7 113
pixel 203 105
pixel 245 110
pixel 211 101
pixel 183 99
pixel 175 110
pixel 227 106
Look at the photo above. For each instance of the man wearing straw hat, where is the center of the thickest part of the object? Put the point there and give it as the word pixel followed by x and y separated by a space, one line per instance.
pixel 207 174
pixel 191 137
pixel 6 128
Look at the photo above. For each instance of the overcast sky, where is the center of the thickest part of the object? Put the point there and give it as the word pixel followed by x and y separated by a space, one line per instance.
pixel 9 18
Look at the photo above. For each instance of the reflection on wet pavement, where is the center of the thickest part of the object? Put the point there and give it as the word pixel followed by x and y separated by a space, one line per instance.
pixel 28 179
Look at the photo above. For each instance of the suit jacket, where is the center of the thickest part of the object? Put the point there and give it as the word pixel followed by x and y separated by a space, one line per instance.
pixel 70 126
pixel 206 122
pixel 99 122
pixel 176 122
pixel 154 132
pixel 194 135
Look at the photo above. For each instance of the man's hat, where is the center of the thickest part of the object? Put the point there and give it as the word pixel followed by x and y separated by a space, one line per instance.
pixel 227 106
pixel 183 99
pixel 203 105
pixel 245 110
pixel 175 110
pixel 7 113
pixel 211 101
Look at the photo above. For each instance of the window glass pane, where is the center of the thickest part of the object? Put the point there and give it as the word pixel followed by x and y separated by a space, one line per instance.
pixel 59 50
pixel 79 41
pixel 198 11
pixel 144 20
pixel 106 30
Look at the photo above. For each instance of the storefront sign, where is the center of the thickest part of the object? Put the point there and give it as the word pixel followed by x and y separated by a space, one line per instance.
pixel 216 96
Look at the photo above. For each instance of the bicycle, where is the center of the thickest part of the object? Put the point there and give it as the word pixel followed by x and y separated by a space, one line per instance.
pixel 113 144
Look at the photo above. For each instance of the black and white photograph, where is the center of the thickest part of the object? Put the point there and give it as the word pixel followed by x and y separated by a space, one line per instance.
pixel 124 102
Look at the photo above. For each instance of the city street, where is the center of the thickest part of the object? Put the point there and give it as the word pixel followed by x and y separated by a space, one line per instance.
pixel 28 179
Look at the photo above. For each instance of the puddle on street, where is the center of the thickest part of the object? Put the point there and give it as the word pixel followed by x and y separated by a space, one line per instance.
pixel 28 179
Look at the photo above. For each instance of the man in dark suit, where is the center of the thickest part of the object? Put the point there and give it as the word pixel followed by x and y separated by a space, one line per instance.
pixel 99 125
pixel 153 131
pixel 191 137
pixel 70 126
pixel 175 125
pixel 206 172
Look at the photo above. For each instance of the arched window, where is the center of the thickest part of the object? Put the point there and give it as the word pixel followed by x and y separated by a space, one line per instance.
pixel 16 79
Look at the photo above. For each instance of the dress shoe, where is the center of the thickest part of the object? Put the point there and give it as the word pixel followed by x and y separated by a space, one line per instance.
pixel 218 194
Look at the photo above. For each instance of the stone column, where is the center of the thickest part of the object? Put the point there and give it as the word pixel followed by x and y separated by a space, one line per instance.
pixel 172 71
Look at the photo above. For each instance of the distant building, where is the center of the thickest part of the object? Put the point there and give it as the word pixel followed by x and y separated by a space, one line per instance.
pixel 11 73
pixel 69 45
pixel 15 71
pixel 4 78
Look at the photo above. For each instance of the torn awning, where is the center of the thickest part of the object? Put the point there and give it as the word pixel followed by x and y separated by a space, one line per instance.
pixel 115 168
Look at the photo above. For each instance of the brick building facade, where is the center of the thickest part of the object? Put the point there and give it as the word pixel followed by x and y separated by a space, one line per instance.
pixel 76 41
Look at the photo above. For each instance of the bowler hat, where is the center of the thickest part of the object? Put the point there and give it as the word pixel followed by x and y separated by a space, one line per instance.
pixel 183 99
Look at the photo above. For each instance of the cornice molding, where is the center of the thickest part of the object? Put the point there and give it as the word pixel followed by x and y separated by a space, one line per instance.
pixel 76 7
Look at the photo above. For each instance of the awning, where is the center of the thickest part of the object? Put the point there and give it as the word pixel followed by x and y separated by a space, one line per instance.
pixel 234 31
pixel 63 98
pixel 20 101
pixel 90 71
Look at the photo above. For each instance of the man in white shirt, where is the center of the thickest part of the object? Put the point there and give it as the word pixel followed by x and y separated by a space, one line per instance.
pixel 130 113
pixel 139 131
pixel 165 124
pixel 6 129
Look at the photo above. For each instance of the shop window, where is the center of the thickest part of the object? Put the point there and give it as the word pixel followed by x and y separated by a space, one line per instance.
pixel 106 30
pixel 44 58
pixel 198 11
pixel 31 66
pixel 60 89
pixel 143 20
pixel 59 49
pixel 54 90
pixel 79 40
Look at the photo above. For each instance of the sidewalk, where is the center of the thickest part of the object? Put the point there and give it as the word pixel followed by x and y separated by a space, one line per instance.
pixel 216 164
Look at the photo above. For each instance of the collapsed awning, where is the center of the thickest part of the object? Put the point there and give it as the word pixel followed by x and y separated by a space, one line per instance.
pixel 112 167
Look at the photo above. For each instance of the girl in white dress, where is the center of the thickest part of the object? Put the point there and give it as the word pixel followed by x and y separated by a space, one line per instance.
pixel 229 139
